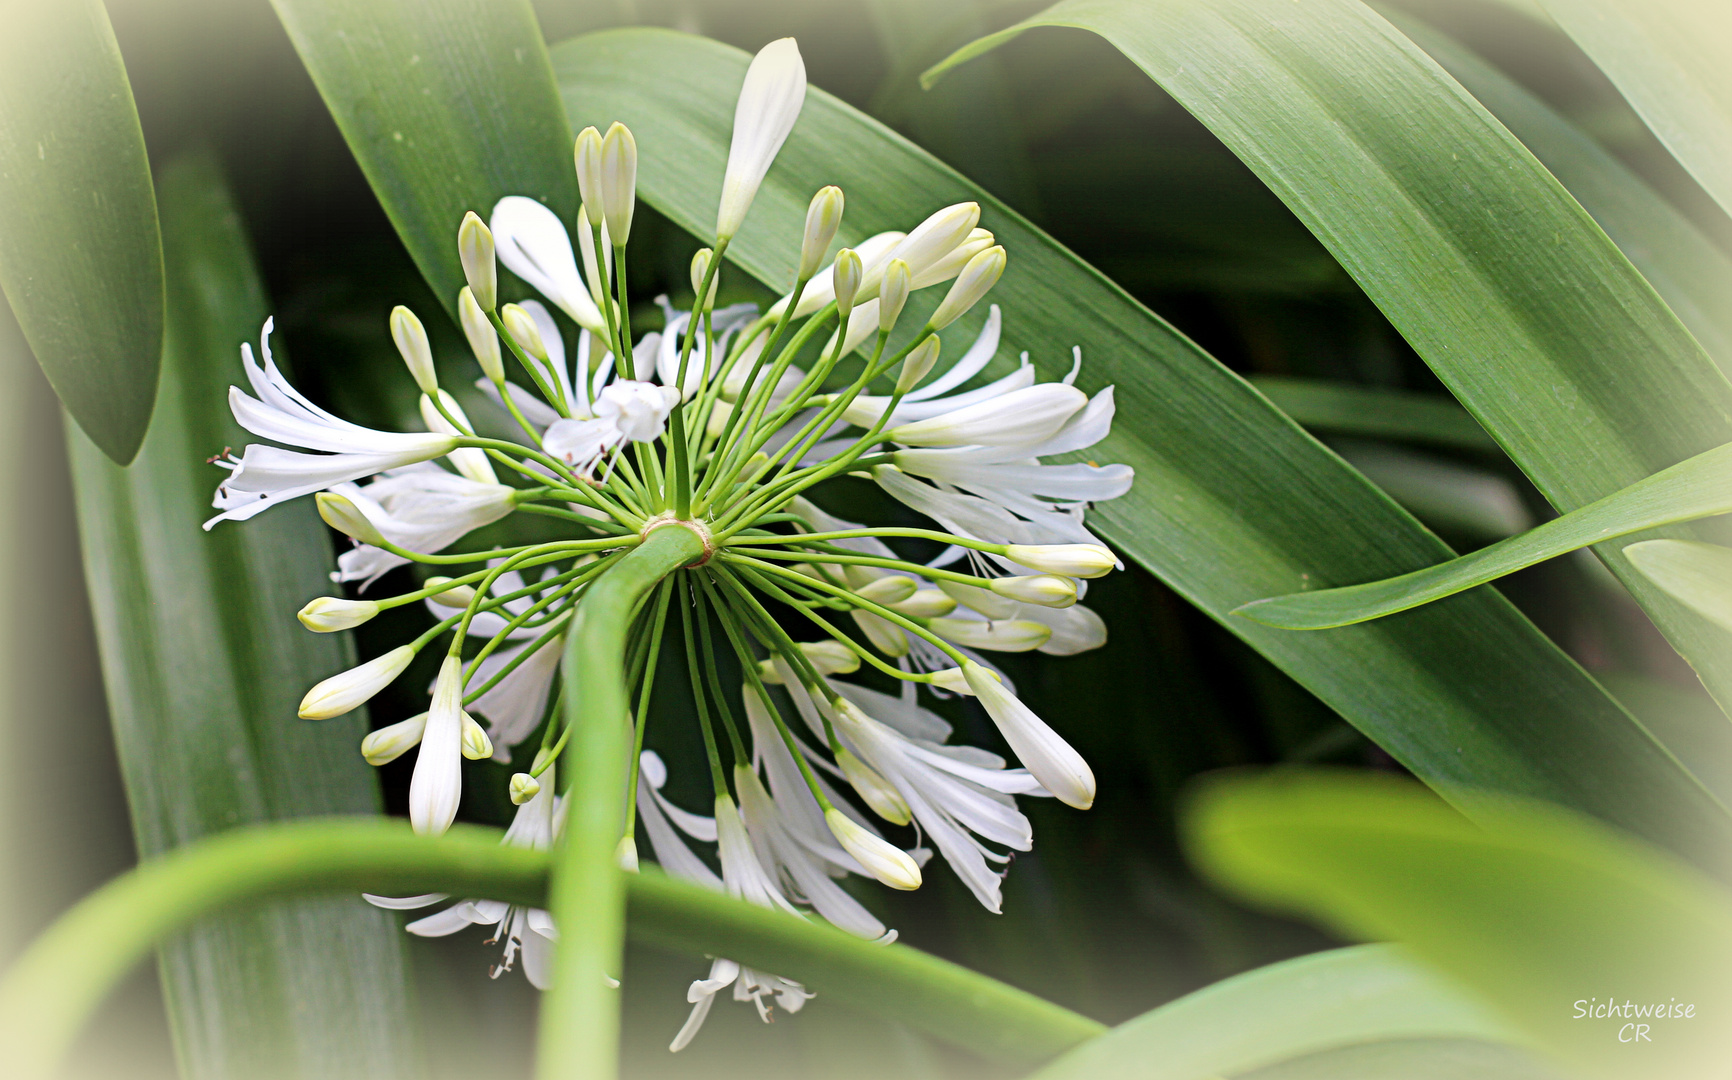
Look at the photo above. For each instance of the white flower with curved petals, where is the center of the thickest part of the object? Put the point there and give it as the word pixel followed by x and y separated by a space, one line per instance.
pixel 533 244
pixel 419 508
pixel 437 784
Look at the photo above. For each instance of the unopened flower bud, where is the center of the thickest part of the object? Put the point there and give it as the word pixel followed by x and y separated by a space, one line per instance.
pixel 985 601
pixel 882 859
pixel 885 636
pixel 349 690
pixel 918 364
pixel 1058 767
pixel 893 293
pixel 999 635
pixel 475 251
pixel 483 339
pixel 586 155
pixel 521 326
pixel 877 792
pixel 831 657
pixel 846 276
pixel 823 218
pixel 390 743
pixel 458 596
pixel 1047 590
pixel 979 276
pixel 937 236
pixel 889 589
pixel 341 514
pixel 411 339
pixel 593 268
pixel 618 180
pixel 701 267
pixel 925 604
pixel 476 745
pixel 523 788
pixel 328 614
pixel 625 855
pixel 950 265
pixel 765 111
pixel 1071 560
pixel 954 680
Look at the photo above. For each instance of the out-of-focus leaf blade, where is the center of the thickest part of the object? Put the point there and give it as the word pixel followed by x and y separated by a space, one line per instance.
pixel 1345 409
pixel 1498 278
pixel 1231 497
pixel 1339 998
pixel 448 105
pixel 1412 1059
pixel 1692 275
pixel 1668 58
pixel 1458 500
pixel 1541 913
pixel 1698 574
pixel 1694 489
pixel 80 251
pixel 204 664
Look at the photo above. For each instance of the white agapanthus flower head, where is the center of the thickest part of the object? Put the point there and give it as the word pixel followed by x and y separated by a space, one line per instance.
pixel 706 422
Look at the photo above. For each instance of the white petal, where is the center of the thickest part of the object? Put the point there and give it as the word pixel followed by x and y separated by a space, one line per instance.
pixel 769 103
pixel 533 244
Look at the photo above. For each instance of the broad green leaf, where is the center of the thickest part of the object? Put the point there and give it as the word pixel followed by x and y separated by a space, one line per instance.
pixel 1698 574
pixel 80 253
pixel 1458 500
pixel 1688 491
pixel 1412 1059
pixel 1668 58
pixel 1685 267
pixel 1331 999
pixel 1231 496
pixel 204 664
pixel 1543 914
pixel 1345 409
pixel 448 105
pixel 1513 295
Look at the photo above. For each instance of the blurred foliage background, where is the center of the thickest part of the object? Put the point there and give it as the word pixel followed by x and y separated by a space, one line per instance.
pixel 1104 916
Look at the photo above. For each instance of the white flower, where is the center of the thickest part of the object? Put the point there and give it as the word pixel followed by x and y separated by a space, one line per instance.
pixel 349 690
pixel 883 860
pixel 999 635
pixel 821 290
pixel 437 784
pixel 328 614
pixel 471 461
pixel 955 792
pixel 267 475
pixel 1077 560
pixel 627 409
pixel 725 323
pixel 769 103
pixel 421 508
pixel 660 818
pixel 1052 761
pixel 1031 414
pixel 528 931
pixel 534 245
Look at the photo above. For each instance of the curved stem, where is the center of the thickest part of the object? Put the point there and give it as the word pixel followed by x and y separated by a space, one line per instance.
pixel 51 990
pixel 579 1034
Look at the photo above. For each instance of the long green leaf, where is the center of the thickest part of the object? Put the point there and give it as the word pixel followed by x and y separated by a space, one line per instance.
pixel 1698 574
pixel 51 989
pixel 1231 497
pixel 1668 58
pixel 1412 1059
pixel 1684 266
pixel 1545 915
pixel 80 252
pixel 1689 491
pixel 1368 993
pixel 204 664
pixel 447 104
pixel 1497 277
pixel 1342 408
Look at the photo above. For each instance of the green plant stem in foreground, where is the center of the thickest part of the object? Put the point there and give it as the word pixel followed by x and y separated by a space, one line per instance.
pixel 579 1034
pixel 52 989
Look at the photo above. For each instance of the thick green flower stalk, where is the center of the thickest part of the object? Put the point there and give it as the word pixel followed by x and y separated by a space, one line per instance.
pixel 720 424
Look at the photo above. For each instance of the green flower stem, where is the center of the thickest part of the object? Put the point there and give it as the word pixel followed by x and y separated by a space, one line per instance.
pixel 850 558
pixel 663 594
pixel 718 776
pixel 550 393
pixel 712 677
pixel 53 988
pixel 473 695
pixel 850 534
pixel 579 1035
pixel 516 414
pixel 824 624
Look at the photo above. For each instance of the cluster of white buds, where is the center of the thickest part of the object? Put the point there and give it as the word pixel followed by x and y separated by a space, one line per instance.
pixel 708 421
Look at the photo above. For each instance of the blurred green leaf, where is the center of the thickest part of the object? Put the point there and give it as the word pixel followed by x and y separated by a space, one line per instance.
pixel 1231 496
pixel 1685 268
pixel 1412 1059
pixel 1541 913
pixel 1668 59
pixel 1698 574
pixel 1495 275
pixel 1698 488
pixel 204 664
pixel 1457 500
pixel 448 105
pixel 80 253
pixel 1369 993
pixel 1342 408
